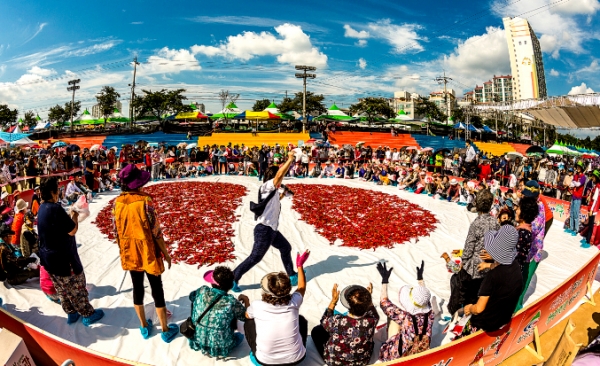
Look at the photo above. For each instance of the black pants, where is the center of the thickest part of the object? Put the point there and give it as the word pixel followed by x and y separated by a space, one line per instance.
pixel 222 167
pixel 263 168
pixel 250 332
pixel 155 285
pixel 463 290
pixel 320 337
pixel 264 238
pixel 89 181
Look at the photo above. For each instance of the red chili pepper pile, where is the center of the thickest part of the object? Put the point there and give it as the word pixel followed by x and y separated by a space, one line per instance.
pixel 361 218
pixel 196 218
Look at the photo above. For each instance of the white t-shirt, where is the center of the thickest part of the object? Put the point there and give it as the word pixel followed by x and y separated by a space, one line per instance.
pixel 396 156
pixel 270 216
pixel 278 339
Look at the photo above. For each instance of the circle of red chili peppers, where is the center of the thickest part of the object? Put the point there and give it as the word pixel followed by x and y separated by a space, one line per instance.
pixel 360 218
pixel 196 219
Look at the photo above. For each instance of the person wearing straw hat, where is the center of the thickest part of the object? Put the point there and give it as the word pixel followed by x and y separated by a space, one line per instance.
pixel 142 248
pixel 347 339
pixel 274 328
pixel 215 333
pixel 410 325
pixel 501 287
pixel 58 254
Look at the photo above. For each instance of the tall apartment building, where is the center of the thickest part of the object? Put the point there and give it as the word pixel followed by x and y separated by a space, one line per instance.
pixel 526 62
pixel 498 89
pixel 97 114
pixel 404 101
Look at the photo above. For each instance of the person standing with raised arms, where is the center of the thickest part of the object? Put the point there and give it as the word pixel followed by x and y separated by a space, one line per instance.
pixel 267 216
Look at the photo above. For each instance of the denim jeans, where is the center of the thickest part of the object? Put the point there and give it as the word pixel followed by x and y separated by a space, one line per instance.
pixel 574 214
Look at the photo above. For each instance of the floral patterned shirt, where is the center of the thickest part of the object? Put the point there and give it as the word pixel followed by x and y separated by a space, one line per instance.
pixel 538 229
pixel 351 339
pixel 395 347
pixel 524 245
pixel 214 336
pixel 474 244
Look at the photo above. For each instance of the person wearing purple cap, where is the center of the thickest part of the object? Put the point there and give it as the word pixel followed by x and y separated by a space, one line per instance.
pixel 142 247
pixel 215 333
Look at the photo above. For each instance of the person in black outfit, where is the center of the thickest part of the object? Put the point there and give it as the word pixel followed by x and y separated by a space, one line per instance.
pixel 32 171
pixel 263 161
pixel 501 288
pixel 89 172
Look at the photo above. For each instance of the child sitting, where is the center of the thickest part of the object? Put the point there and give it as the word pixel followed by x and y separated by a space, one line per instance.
pixel 201 170
pixel 231 169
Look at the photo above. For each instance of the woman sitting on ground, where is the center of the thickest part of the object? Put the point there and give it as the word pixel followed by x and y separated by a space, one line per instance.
pixel 410 325
pixel 347 339
pixel 275 331
pixel 13 268
pixel 215 335
pixel 501 287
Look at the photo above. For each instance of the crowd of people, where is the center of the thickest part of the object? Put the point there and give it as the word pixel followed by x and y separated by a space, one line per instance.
pixel 490 274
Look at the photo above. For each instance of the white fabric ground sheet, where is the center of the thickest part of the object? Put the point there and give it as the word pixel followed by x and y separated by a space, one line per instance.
pixel 118 333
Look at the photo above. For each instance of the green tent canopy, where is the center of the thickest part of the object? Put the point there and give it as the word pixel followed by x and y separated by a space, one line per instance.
pixel 335 114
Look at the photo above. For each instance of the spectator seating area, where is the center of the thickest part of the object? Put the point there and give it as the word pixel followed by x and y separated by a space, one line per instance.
pixel 156 137
pixel 85 141
pixel 247 139
pixel 521 148
pixel 495 149
pixel 438 142
pixel 373 139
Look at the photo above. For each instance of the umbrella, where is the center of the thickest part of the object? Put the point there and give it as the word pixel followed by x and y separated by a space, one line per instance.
pixel 182 144
pixel 94 147
pixel 411 148
pixel 427 149
pixel 140 142
pixel 74 147
pixel 103 148
pixel 513 155
pixel 534 149
pixel 59 144
pixel 189 146
pixel 114 148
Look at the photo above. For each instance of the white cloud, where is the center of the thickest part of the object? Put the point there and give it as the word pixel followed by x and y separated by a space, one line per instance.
pixel 350 32
pixel 554 72
pixel 168 61
pixel 39 30
pixel 557 27
pixel 137 23
pixel 91 50
pixel 293 46
pixel 581 89
pixel 479 58
pixel 586 7
pixel 593 68
pixel 33 59
pixel 362 63
pixel 238 20
pixel 361 43
pixel 403 38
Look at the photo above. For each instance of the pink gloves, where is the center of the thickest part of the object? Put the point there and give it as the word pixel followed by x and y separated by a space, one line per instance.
pixel 302 258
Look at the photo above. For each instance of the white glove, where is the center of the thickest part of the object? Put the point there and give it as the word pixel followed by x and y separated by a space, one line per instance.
pixel 577 184
pixel 571 185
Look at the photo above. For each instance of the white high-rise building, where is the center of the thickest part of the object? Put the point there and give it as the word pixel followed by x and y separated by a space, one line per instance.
pixel 526 62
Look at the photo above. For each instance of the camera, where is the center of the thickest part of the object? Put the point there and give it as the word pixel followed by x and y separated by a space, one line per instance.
pixel 286 189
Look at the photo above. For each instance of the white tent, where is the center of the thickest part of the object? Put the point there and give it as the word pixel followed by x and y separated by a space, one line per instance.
pixel 23 141
pixel 42 125
pixel 17 130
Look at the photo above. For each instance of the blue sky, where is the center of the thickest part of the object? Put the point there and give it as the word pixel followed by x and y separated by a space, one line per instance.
pixel 361 48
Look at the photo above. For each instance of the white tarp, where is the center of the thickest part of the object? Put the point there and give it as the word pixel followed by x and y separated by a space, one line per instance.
pixel 118 332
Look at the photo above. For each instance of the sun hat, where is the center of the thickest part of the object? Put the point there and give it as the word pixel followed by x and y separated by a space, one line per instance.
pixel 502 244
pixel 264 285
pixel 415 166
pixel 21 204
pixel 532 189
pixel 208 277
pixel 133 178
pixel 4 195
pixel 344 294
pixel 415 300
pixel 453 182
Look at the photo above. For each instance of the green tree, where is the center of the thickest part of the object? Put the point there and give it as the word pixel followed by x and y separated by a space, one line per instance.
pixel 260 105
pixel 476 121
pixel 458 115
pixel 107 101
pixel 29 119
pixel 61 115
pixel 8 116
pixel 288 104
pixel 429 109
pixel 314 103
pixel 373 107
pixel 160 102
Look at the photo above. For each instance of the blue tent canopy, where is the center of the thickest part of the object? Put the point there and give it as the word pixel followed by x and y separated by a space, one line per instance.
pixel 459 126
pixel 488 130
pixel 473 129
pixel 10 137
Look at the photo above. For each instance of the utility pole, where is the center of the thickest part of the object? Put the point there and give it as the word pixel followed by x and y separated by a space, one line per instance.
pixel 444 79
pixel 132 85
pixel 305 76
pixel 72 88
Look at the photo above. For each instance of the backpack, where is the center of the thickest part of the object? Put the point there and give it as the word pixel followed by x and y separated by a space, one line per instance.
pixel 259 208
pixel 422 341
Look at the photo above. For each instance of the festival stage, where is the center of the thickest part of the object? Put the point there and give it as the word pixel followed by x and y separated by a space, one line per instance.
pixel 118 334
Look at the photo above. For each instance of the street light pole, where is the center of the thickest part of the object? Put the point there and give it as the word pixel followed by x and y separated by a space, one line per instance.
pixel 304 76
pixel 73 88
pixel 444 79
pixel 131 114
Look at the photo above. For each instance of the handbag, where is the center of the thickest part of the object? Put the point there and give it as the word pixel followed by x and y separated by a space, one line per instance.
pixel 188 327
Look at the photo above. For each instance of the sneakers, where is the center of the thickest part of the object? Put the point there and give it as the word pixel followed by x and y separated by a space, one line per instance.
pixel 294 280
pixel 235 287
pixel 72 318
pixel 96 315
pixel 170 334
pixel 147 330
pixel 254 360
